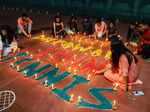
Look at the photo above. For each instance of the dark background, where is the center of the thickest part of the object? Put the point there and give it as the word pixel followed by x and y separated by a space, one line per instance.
pixel 122 9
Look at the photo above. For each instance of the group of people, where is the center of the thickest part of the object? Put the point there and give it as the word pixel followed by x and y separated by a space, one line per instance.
pixel 121 68
pixel 101 30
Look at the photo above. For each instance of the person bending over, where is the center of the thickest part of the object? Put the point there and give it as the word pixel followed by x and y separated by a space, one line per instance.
pixel 100 28
pixel 8 41
pixel 24 25
pixel 122 67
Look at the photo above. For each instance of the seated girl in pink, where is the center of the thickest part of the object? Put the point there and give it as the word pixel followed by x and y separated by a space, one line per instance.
pixel 122 68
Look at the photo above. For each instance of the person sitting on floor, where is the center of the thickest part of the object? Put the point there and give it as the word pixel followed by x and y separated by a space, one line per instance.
pixel 100 28
pixel 144 45
pixel 122 67
pixel 111 32
pixel 86 26
pixel 24 25
pixel 134 34
pixel 8 41
pixel 58 27
pixel 73 24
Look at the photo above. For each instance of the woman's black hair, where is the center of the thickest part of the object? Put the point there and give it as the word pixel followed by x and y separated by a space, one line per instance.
pixel 99 19
pixel 24 15
pixel 73 17
pixel 59 18
pixel 10 34
pixel 117 49
pixel 111 21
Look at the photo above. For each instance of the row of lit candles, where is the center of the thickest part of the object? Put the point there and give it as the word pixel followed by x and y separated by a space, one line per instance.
pixel 116 85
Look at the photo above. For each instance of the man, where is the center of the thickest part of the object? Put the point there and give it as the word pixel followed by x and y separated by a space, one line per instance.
pixel 144 45
pixel 111 32
pixel 87 26
pixel 24 25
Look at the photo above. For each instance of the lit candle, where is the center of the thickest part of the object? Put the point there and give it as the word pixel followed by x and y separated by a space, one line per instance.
pixel 71 98
pixel 38 60
pixel 27 52
pixel 89 77
pixel 53 86
pixel 46 83
pixel 17 68
pixel 75 56
pixel 75 71
pixel 79 99
pixel 25 73
pixel 69 69
pixel 116 85
pixel 43 36
pixel 56 65
pixel 15 58
pixel 71 62
pixel 36 76
pixel 79 64
pixel 63 60
pixel 114 105
pixel 31 55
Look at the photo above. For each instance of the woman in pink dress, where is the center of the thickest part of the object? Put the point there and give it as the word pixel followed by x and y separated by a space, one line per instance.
pixel 122 68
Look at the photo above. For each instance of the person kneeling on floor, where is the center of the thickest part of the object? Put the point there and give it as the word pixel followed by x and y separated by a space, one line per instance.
pixel 8 41
pixel 24 25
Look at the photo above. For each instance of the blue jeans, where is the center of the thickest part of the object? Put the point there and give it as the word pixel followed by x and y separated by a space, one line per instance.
pixel 27 28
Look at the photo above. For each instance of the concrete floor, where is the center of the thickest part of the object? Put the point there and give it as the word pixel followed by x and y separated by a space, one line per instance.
pixel 32 97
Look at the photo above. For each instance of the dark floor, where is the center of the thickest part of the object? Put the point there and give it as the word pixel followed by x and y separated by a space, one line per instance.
pixel 32 97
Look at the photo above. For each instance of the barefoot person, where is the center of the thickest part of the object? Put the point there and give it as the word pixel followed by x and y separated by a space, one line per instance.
pixel 24 25
pixel 8 42
pixel 122 69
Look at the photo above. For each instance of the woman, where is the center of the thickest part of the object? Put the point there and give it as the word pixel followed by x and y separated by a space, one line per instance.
pixel 122 69
pixel 58 27
pixel 7 40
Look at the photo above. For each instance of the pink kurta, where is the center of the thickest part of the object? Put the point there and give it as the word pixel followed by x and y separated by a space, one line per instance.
pixel 123 70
